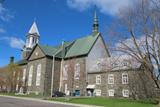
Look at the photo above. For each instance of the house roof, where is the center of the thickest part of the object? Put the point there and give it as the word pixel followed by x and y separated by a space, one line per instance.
pixel 22 62
pixel 82 46
pixel 78 47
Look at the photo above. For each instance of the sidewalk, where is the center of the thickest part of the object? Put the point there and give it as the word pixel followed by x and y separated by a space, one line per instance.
pixel 46 101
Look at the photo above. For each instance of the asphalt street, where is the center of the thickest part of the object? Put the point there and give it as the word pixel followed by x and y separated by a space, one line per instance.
pixel 16 102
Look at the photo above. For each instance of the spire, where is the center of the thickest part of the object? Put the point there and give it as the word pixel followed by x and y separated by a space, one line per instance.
pixel 95 23
pixel 34 29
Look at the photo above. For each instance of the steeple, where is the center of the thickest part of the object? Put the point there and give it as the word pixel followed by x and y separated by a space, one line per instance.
pixel 34 29
pixel 95 23
pixel 32 36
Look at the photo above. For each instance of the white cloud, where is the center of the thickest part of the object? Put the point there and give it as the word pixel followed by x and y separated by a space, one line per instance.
pixel 14 42
pixel 2 30
pixel 106 6
pixel 5 14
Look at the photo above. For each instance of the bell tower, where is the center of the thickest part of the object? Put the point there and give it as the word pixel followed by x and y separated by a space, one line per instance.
pixel 32 38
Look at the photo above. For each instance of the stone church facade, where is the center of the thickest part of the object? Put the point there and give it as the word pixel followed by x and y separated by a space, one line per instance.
pixel 77 68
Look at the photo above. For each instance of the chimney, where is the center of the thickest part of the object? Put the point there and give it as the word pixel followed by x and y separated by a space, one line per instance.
pixel 11 60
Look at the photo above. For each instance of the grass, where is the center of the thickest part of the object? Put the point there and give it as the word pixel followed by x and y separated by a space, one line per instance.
pixel 106 102
pixel 99 101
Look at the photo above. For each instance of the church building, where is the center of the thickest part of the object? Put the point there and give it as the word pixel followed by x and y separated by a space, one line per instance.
pixel 79 68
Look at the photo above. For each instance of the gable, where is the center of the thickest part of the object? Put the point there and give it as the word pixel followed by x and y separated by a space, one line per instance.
pixel 96 54
pixel 37 53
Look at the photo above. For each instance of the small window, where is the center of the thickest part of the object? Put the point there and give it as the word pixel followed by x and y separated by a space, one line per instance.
pixel 77 71
pixel 98 92
pixel 124 78
pixel 111 93
pixel 125 93
pixel 65 72
pixel 98 79
pixel 110 79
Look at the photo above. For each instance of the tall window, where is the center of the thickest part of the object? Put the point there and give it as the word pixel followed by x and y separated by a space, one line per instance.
pixel 30 75
pixel 124 78
pixel 125 93
pixel 77 71
pixel 38 77
pixel 111 93
pixel 98 79
pixel 24 75
pixel 65 72
pixel 110 79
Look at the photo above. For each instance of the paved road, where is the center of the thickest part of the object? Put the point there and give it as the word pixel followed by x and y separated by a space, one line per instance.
pixel 14 102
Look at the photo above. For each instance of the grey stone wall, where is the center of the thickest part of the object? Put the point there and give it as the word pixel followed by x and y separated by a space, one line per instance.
pixel 33 87
pixel 139 85
pixel 72 83
pixel 56 79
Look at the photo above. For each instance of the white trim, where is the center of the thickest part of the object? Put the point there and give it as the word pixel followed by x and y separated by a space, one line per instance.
pixel 24 75
pixel 98 92
pixel 124 78
pixel 65 72
pixel 38 75
pixel 77 71
pixel 110 78
pixel 125 93
pixel 98 79
pixel 111 92
pixel 30 75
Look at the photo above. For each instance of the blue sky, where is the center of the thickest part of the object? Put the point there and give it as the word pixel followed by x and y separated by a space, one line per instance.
pixel 57 20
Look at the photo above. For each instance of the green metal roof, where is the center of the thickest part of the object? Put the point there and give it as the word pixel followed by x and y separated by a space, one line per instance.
pixel 48 50
pixel 82 46
pixel 22 62
pixel 78 47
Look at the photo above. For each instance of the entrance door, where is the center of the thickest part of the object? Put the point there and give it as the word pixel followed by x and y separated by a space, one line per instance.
pixel 77 92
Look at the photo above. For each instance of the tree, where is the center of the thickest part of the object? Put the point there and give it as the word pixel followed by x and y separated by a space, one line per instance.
pixel 141 23
pixel 11 76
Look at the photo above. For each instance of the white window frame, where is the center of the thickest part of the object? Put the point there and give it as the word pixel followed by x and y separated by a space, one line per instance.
pixel 77 71
pixel 111 92
pixel 124 79
pixel 65 88
pixel 98 79
pixel 65 72
pixel 110 78
pixel 125 93
pixel 98 92
pixel 38 76
pixel 30 75
pixel 24 75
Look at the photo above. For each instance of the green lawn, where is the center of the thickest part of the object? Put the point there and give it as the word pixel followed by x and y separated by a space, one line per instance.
pixel 99 101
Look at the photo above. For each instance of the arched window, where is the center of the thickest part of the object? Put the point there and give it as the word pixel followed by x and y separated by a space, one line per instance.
pixel 38 77
pixel 30 75
pixel 77 71
pixel 65 72
pixel 24 75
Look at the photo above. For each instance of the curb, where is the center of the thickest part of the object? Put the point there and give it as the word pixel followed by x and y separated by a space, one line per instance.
pixel 52 102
